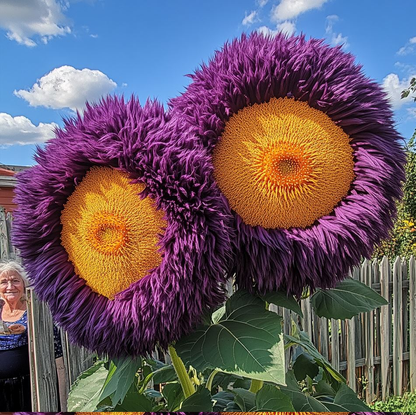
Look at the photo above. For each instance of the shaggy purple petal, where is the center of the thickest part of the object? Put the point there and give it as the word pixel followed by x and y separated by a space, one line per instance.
pixel 255 69
pixel 169 302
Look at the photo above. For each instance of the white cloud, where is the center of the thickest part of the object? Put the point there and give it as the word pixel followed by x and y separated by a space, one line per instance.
pixel 287 27
pixel 20 130
pixel 408 48
pixel 67 87
pixel 249 19
pixel 266 31
pixel 393 86
pixel 262 3
pixel 290 9
pixel 335 38
pixel 24 19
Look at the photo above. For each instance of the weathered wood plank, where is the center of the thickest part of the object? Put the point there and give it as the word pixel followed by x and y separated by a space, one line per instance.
pixel 397 327
pixel 42 356
pixel 324 337
pixel 351 354
pixel 412 322
pixel 307 316
pixel 369 336
pixel 76 360
pixel 385 325
pixel 335 344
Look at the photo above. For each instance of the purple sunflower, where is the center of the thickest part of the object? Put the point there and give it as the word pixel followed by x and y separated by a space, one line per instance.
pixel 303 147
pixel 121 231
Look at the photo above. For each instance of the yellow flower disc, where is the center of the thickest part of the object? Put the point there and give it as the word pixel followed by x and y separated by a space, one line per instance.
pixel 283 164
pixel 109 232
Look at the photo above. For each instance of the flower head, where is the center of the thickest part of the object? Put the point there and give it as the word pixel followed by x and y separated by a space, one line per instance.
pixel 121 231
pixel 303 148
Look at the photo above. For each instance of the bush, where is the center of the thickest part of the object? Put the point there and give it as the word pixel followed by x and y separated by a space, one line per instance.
pixel 405 403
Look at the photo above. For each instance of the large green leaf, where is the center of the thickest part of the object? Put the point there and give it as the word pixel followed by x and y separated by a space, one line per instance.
pixel 245 399
pixel 221 400
pixel 246 341
pixel 269 398
pixel 120 377
pixel 281 299
pixel 348 299
pixel 84 395
pixel 305 365
pixel 300 401
pixel 200 401
pixel 134 401
pixel 300 338
pixel 348 399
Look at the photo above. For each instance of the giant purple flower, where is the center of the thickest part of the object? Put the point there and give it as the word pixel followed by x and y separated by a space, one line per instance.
pixel 121 231
pixel 303 146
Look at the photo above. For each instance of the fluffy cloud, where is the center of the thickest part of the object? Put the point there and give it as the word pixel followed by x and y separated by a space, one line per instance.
pixel 335 38
pixel 408 48
pixel 24 19
pixel 20 130
pixel 266 31
pixel 290 9
pixel 262 3
pixel 249 19
pixel 286 27
pixel 394 86
pixel 67 87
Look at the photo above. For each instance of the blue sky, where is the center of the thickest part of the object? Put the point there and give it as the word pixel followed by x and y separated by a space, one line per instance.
pixel 56 54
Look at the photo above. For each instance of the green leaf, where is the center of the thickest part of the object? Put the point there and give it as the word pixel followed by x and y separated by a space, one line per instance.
pixel 348 299
pixel 348 399
pixel 200 401
pixel 303 340
pixel 300 401
pixel 304 366
pixel 221 400
pixel 245 399
pixel 174 395
pixel 245 342
pixel 84 395
pixel 269 398
pixel 324 388
pixel 120 377
pixel 134 401
pixel 281 299
pixel 164 375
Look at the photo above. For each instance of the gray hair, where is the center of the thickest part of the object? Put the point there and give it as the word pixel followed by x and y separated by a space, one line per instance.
pixel 10 266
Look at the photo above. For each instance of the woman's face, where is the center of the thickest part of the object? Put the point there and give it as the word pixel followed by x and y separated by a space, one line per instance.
pixel 11 286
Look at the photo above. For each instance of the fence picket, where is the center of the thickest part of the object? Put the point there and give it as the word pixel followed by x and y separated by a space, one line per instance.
pixel 397 327
pixel 385 325
pixel 412 322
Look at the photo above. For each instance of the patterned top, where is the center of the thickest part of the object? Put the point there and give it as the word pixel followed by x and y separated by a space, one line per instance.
pixel 12 341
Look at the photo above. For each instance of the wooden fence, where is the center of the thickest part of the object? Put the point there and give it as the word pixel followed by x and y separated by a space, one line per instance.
pixel 375 351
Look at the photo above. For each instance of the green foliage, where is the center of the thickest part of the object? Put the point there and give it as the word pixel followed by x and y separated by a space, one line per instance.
pixel 246 341
pixel 241 346
pixel 402 239
pixel 345 299
pixel 405 404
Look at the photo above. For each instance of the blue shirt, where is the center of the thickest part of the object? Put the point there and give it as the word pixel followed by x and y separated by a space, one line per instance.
pixel 12 341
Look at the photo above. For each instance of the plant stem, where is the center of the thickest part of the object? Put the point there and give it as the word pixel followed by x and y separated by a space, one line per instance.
pixel 256 385
pixel 187 386
pixel 211 379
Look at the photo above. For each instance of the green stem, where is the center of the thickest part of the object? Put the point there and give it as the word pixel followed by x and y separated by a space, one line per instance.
pixel 187 386
pixel 211 379
pixel 256 385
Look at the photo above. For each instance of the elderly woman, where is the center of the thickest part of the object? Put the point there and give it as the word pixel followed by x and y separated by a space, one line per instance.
pixel 14 355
